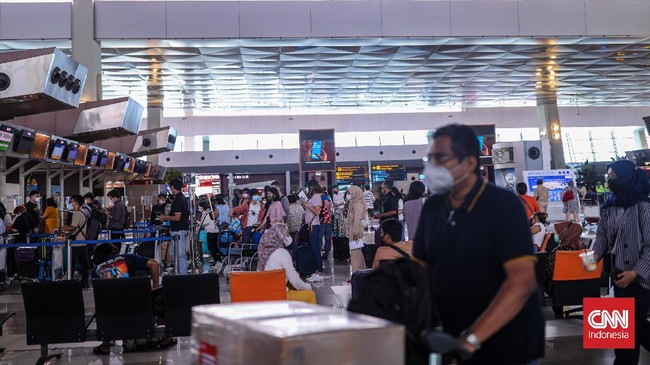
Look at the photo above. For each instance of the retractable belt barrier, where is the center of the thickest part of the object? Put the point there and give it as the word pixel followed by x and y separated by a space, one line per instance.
pixel 42 235
pixel 69 244
pixel 130 231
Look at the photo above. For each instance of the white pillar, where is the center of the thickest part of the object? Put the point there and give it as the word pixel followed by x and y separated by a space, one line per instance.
pixel 85 49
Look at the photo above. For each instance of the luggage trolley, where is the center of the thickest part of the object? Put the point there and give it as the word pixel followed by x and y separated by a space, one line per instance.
pixel 591 209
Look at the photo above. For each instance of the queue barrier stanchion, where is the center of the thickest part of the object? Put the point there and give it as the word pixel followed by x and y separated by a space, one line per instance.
pixel 68 244
pixel 176 238
pixel 158 249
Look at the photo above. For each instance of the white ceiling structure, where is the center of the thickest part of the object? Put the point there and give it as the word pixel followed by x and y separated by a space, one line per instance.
pixel 380 73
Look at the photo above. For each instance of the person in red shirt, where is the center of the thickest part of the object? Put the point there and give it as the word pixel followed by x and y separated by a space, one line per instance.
pixel 530 204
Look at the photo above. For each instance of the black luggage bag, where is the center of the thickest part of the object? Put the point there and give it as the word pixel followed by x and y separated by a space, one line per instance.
pixel 305 260
pixel 341 248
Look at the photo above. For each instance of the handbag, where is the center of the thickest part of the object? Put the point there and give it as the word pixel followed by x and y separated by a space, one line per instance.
pixel 235 227
pixel 357 244
pixel 568 196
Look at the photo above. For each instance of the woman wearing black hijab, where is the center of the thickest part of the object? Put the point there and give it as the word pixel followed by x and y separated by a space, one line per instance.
pixel 624 230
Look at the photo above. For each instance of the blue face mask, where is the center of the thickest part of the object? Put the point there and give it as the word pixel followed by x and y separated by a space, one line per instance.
pixel 256 198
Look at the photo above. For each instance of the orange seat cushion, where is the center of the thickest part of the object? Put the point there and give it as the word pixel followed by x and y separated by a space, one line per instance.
pixel 257 286
pixel 568 266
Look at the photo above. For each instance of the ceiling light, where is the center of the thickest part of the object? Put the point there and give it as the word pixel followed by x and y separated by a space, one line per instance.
pixel 556 127
pixel 553 57
pixel 556 136
pixel 549 68
pixel 155 70
pixel 551 77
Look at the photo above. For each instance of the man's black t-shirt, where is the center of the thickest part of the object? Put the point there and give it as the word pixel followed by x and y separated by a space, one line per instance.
pixel 120 266
pixel 390 203
pixel 465 250
pixel 180 206
pixel 24 224
pixel 32 209
pixel 156 212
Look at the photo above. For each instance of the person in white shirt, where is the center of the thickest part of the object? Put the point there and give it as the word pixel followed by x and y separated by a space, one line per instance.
pixel 274 256
pixel 369 197
pixel 538 229
pixel 208 224
pixel 338 197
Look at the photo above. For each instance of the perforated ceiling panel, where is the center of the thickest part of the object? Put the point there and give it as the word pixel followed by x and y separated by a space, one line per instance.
pixel 313 73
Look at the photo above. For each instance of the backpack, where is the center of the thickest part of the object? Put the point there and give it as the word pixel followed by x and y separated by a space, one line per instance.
pixel 94 221
pixel 399 291
pixel 325 214
pixel 79 229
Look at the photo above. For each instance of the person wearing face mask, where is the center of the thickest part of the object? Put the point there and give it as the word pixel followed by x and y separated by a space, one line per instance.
pixel 481 264
pixel 275 212
pixel 390 204
pixel 338 197
pixel 250 213
pixel 178 218
pixel 624 231
pixel 33 205
pixel 116 216
pixel 273 255
pixel 158 209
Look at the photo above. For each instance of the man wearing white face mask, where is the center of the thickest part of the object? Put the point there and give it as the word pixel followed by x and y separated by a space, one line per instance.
pixel 481 264
pixel 273 255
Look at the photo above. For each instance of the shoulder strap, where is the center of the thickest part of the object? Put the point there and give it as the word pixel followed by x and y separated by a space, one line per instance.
pixel 401 252
pixel 80 229
pixel 527 205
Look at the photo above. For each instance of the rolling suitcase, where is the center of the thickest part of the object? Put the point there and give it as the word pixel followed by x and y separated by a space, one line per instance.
pixel 305 260
pixel 369 252
pixel 341 248
pixel 357 277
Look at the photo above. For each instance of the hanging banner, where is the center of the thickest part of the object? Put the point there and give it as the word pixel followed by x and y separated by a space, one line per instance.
pixel 317 150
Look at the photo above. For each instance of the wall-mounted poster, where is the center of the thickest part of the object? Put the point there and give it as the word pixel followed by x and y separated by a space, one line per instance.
pixel 317 150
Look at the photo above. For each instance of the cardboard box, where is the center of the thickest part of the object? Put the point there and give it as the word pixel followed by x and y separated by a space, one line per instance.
pixel 292 333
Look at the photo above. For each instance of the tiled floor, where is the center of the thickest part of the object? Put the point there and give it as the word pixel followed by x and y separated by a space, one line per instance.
pixel 563 346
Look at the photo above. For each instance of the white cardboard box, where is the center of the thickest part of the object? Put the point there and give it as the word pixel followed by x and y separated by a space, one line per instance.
pixel 292 333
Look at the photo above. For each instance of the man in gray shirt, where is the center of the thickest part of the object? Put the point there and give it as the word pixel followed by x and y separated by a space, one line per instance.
pixel 116 216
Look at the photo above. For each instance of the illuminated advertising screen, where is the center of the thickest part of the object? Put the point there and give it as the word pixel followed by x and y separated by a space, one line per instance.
pixel 58 149
pixel 554 180
pixel 317 150
pixel 73 149
pixel 394 172
pixel 6 136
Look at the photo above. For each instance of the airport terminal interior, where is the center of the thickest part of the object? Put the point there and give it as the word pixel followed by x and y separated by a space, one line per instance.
pixel 293 182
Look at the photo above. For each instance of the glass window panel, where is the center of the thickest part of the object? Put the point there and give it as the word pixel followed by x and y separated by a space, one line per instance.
pixel 180 144
pixel 345 139
pixel 367 139
pixel 269 141
pixel 416 137
pixel 391 138
pixel 290 140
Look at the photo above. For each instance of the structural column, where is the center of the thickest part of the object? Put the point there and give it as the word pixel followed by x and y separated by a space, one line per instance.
pixel 154 120
pixel 548 119
pixel 85 49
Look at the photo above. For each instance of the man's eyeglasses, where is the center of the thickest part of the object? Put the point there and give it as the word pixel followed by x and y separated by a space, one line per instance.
pixel 436 158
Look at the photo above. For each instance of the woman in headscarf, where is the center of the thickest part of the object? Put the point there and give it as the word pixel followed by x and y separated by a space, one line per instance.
pixel 273 255
pixel 357 214
pixel 569 236
pixel 624 231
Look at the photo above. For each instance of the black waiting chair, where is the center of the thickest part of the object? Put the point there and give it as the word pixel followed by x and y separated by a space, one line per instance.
pixel 55 313
pixel 181 293
pixel 123 308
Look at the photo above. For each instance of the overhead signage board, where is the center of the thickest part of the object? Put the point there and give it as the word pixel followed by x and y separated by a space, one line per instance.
pixel 394 172
pixel 347 175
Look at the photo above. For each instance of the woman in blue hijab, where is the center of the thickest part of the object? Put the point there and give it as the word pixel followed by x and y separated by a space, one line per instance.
pixel 628 184
pixel 624 231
